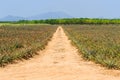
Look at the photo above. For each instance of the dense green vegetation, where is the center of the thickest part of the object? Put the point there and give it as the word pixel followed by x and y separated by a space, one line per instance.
pixel 73 21
pixel 22 41
pixel 99 43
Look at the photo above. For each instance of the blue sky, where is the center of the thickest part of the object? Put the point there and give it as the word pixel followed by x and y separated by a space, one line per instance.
pixel 76 8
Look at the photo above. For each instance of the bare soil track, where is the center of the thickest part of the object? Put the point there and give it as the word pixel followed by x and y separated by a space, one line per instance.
pixel 59 61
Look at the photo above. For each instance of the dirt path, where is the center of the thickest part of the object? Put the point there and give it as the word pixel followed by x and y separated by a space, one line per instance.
pixel 59 61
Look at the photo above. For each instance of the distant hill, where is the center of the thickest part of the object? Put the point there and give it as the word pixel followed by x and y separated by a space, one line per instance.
pixel 11 18
pixel 49 15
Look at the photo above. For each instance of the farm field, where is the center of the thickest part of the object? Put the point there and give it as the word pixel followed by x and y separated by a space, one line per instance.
pixel 22 41
pixel 99 43
pixel 42 40
pixel 58 61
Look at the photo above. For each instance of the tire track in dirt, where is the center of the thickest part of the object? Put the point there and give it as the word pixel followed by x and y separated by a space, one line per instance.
pixel 59 61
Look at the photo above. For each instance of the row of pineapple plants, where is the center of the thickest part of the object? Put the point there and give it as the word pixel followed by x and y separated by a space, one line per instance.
pixel 98 43
pixel 19 42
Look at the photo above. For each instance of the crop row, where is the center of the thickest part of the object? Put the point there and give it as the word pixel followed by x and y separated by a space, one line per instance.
pixel 22 41
pixel 99 43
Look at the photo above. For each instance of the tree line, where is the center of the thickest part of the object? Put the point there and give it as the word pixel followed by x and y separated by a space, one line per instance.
pixel 71 21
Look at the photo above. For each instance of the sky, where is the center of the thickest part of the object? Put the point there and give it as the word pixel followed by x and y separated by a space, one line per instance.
pixel 75 8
